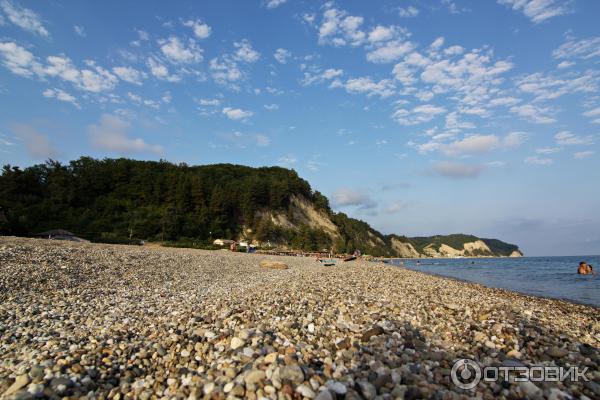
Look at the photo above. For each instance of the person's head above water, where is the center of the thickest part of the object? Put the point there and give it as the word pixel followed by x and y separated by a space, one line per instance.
pixel 582 264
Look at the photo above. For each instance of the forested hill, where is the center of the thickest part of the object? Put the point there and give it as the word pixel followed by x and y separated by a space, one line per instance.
pixel 116 199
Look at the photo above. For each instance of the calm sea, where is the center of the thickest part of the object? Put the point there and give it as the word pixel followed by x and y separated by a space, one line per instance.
pixel 539 276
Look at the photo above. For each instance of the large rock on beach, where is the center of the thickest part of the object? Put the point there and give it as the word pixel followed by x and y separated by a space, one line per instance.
pixel 273 264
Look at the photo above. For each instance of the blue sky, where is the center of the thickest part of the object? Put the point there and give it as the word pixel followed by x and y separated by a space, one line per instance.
pixel 420 117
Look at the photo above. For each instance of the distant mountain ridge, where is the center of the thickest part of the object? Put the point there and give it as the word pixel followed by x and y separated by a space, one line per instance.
pixel 117 199
pixel 456 245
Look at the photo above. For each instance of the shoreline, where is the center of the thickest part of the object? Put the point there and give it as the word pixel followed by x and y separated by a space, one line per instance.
pixel 105 319
pixel 571 301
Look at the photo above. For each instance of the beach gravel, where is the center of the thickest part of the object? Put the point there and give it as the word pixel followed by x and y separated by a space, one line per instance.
pixel 108 321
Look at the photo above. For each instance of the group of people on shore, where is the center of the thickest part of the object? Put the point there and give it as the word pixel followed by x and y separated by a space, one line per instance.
pixel 585 269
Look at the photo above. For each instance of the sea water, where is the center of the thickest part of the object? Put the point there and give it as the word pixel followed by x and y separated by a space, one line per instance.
pixel 554 277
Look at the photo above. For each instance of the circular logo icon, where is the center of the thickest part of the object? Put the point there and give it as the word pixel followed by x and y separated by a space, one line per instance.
pixel 465 373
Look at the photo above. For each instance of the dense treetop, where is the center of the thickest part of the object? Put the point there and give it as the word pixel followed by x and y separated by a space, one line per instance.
pixel 124 199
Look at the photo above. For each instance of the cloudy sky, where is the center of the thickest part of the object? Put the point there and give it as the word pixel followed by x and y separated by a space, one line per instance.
pixel 420 117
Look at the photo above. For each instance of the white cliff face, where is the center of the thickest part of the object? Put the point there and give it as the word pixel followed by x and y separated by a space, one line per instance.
pixel 447 251
pixel 303 213
pixel 404 250
pixel 374 240
pixel 470 249
pixel 430 251
pixel 477 248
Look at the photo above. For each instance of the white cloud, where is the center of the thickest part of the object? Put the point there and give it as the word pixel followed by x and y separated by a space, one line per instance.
pixel 160 71
pixel 330 24
pixel 390 51
pixel 503 101
pixel 142 35
pixel 209 102
pixel 96 79
pixel 61 95
pixel 539 10
pixel 129 74
pixel 470 79
pixel 262 140
pixel 514 139
pixel 566 138
pixel 395 206
pixel 79 30
pixel 178 53
pixel 565 64
pixel 245 52
pixel 338 28
pixel 19 60
pixel 4 141
pixel 111 134
pixel 318 76
pixel 366 85
pixel 470 145
pixel 475 144
pixel 138 100
pixel 535 114
pixel 242 140
pixel 454 50
pixel 271 107
pixel 583 49
pixel 22 62
pixel 405 71
pixel 429 109
pixel 408 12
pixel 418 115
pixel 287 160
pixel 274 91
pixel 547 150
pixel 37 144
pixel 452 7
pixel 345 197
pixel 381 33
pixel 274 3
pixel 24 18
pixel 282 55
pixel 550 87
pixel 584 154
pixel 592 113
pixel 535 160
pixel 200 29
pixel 134 97
pixel 225 72
pixel 237 113
pixel 309 18
pixel 453 122
pixel 457 170
pixel 314 164
pixel 468 73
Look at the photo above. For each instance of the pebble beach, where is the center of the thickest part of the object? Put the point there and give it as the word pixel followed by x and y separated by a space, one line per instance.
pixel 109 321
